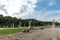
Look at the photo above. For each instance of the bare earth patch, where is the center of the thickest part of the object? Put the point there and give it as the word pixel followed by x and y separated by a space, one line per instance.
pixel 45 34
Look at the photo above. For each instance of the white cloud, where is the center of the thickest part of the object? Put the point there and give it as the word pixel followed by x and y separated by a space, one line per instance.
pixel 14 6
pixel 45 15
pixel 22 8
pixel 48 15
pixel 52 3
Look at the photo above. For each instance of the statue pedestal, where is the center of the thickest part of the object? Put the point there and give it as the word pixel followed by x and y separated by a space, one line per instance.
pixel 53 24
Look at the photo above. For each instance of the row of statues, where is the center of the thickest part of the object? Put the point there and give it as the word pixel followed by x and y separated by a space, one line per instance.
pixel 53 24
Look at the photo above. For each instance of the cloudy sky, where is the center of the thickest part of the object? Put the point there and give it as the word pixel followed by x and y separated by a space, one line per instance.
pixel 45 10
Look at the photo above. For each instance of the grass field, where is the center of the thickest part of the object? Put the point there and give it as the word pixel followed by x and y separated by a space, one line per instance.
pixel 13 30
pixel 4 31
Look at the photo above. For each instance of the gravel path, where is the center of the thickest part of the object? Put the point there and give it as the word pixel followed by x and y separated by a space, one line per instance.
pixel 45 34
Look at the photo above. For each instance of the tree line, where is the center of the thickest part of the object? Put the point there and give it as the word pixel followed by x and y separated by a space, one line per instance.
pixel 8 21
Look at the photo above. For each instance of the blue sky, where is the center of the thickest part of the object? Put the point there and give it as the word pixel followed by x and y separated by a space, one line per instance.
pixel 45 10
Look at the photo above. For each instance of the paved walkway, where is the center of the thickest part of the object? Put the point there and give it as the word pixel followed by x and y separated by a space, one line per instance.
pixel 45 34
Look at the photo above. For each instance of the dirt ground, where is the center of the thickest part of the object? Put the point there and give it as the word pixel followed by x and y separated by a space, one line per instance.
pixel 45 34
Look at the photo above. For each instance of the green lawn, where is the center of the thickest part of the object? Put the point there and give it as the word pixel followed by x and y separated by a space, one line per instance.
pixel 4 31
pixel 14 30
